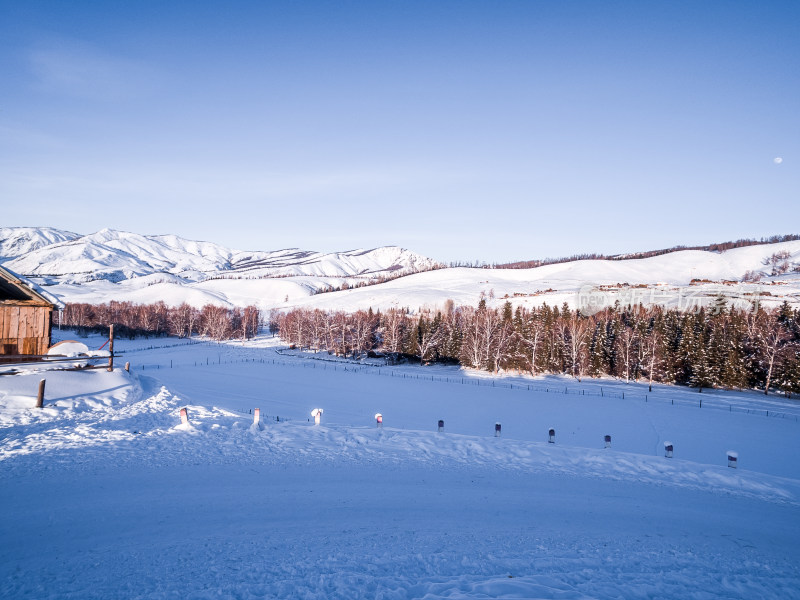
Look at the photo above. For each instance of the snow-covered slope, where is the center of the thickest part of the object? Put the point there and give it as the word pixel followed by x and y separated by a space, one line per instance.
pixel 112 265
pixel 676 279
pixel 20 241
pixel 117 256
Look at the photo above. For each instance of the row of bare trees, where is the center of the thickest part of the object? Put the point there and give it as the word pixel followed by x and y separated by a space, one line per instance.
pixel 337 332
pixel 216 322
pixel 719 348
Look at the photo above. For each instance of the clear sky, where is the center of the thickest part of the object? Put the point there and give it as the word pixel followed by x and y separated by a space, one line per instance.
pixel 489 131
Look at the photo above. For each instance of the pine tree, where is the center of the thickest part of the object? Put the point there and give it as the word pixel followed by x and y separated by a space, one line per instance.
pixel 700 374
pixel 733 370
pixel 508 312
pixel 687 350
pixel 613 325
pixel 789 371
pixel 598 363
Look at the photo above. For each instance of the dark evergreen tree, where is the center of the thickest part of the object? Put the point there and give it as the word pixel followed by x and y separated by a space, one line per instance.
pixel 598 353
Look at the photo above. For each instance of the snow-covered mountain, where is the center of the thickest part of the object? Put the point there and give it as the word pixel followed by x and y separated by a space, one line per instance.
pixel 116 256
pixel 20 241
pixel 113 265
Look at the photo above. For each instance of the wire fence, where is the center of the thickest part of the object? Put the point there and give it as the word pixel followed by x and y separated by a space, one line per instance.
pixel 264 417
pixel 159 347
pixel 382 371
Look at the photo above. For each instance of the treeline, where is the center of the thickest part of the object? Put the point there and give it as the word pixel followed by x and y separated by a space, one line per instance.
pixel 532 264
pixel 717 247
pixel 706 348
pixel 131 320
pixel 383 278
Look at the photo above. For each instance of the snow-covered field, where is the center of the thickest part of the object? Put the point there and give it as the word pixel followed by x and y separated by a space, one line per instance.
pixel 107 495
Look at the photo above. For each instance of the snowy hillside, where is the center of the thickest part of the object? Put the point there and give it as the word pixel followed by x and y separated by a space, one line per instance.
pixel 114 497
pixel 117 256
pixel 679 279
pixel 20 241
pixel 112 265
pixel 666 280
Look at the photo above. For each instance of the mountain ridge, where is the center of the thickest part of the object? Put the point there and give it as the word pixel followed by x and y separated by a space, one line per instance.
pixel 118 255
pixel 110 265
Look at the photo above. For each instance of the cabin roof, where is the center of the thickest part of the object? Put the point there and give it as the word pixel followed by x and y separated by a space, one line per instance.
pixel 15 289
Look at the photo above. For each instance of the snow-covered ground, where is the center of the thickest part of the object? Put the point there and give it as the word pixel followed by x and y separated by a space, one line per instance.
pixel 106 494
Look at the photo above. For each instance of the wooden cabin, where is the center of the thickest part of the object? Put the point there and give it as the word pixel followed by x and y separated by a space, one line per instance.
pixel 26 316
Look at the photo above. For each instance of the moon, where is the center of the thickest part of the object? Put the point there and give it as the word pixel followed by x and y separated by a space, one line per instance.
pixel 777 160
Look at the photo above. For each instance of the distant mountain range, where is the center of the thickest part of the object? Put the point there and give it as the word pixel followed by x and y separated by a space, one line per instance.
pixel 114 265
pixel 63 257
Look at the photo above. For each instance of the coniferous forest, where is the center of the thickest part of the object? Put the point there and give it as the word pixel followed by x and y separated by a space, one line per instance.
pixel 717 347
pixel 704 348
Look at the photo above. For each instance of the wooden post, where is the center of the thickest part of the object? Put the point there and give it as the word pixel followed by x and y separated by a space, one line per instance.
pixel 111 347
pixel 128 366
pixel 40 396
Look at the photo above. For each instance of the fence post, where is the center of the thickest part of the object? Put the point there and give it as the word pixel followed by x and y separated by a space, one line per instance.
pixel 111 347
pixel 128 366
pixel 40 395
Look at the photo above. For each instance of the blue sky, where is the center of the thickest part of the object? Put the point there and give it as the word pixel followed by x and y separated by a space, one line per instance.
pixel 489 131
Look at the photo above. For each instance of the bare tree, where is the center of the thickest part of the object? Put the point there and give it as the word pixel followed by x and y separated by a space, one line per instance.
pixel 178 319
pixel 431 337
pixel 532 339
pixel 779 262
pixel 626 342
pixel 576 331
pixel 770 340
pixel 651 345
pixel 362 329
pixel 393 330
pixel 216 322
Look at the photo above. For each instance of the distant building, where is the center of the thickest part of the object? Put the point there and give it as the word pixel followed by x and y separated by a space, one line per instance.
pixel 26 316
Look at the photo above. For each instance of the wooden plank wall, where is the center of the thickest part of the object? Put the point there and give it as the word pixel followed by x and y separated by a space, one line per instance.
pixel 24 329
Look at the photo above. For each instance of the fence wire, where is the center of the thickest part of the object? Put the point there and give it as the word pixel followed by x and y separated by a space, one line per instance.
pixel 344 367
